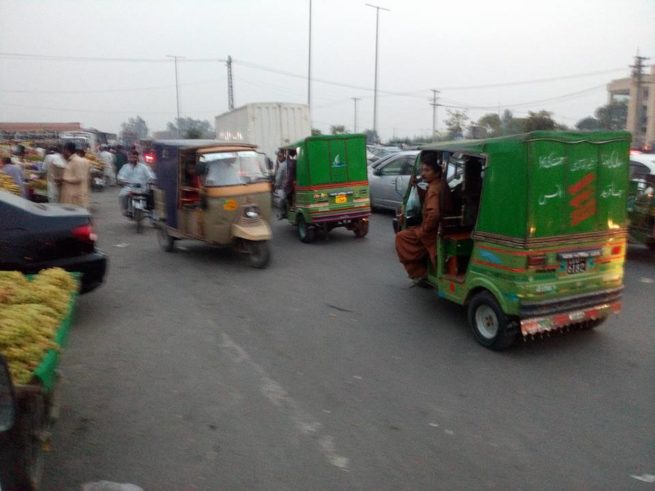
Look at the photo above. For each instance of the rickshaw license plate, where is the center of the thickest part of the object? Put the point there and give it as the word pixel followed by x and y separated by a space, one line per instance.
pixel 340 199
pixel 576 265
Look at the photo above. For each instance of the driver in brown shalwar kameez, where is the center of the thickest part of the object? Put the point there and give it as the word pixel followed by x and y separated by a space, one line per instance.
pixel 414 245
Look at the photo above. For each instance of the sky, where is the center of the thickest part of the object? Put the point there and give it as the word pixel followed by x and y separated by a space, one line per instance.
pixel 483 56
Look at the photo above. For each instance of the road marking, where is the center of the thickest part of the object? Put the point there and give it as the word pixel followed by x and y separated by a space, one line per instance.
pixel 122 245
pixel 449 432
pixel 643 279
pixel 434 425
pixel 649 478
pixel 357 377
pixel 279 397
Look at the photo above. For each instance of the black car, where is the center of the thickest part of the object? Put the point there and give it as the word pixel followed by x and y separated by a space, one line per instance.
pixel 35 236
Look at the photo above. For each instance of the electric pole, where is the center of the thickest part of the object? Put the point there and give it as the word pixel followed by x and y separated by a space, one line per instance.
pixel 355 99
pixel 177 93
pixel 230 87
pixel 375 89
pixel 309 65
pixel 637 75
pixel 434 105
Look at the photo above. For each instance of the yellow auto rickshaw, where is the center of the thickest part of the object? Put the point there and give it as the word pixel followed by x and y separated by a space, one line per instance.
pixel 215 192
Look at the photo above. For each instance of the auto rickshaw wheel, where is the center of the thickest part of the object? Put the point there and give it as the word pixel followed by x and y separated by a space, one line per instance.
pixel 491 327
pixel 306 233
pixel 166 242
pixel 259 253
pixel 361 228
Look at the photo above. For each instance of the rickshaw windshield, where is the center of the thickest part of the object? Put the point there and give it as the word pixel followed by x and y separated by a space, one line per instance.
pixel 233 168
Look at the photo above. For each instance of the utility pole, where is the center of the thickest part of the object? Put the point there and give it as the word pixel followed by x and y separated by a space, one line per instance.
pixel 355 99
pixel 637 75
pixel 177 93
pixel 434 105
pixel 375 89
pixel 230 87
pixel 309 65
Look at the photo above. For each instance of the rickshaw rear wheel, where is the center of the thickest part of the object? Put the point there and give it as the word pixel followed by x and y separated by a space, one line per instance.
pixel 259 254
pixel 166 242
pixel 490 326
pixel 306 233
pixel 360 228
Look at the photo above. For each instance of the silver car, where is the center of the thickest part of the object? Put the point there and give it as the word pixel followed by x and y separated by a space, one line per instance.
pixel 388 179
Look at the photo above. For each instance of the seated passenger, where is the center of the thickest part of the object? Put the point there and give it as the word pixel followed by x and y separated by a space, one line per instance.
pixel 191 188
pixel 414 245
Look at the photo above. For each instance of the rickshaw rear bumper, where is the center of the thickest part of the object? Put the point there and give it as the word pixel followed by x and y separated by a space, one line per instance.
pixel 341 217
pixel 539 317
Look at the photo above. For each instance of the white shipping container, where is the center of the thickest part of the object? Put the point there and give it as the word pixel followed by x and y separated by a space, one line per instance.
pixel 269 125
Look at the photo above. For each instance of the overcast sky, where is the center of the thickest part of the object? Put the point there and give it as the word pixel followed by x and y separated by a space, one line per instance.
pixel 424 44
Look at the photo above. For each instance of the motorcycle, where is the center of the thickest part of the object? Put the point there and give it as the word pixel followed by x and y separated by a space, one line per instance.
pixel 97 180
pixel 138 206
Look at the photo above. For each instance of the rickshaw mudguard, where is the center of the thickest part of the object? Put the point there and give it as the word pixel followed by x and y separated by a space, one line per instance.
pixel 255 232
pixel 508 301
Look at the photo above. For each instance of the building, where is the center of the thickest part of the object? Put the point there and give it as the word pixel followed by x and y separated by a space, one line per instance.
pixel 35 131
pixel 641 107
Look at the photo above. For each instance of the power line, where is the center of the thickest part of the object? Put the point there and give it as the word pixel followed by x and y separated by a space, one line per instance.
pixel 99 59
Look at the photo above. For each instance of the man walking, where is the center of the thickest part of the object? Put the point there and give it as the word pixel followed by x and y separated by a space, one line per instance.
pixel 75 181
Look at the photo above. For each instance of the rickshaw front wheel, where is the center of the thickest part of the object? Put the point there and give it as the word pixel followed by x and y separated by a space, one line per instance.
pixel 306 233
pixel 166 242
pixel 491 327
pixel 259 254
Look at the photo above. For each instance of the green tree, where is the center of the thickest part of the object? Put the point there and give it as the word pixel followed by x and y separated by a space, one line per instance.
pixel 133 129
pixel 588 124
pixel 456 123
pixel 492 124
pixel 316 131
pixel 613 116
pixel 541 120
pixel 371 136
pixel 191 128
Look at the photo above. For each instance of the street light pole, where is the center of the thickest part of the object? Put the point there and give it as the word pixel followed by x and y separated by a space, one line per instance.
pixel 375 89
pixel 355 99
pixel 177 94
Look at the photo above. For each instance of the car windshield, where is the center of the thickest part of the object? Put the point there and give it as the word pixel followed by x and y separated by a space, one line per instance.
pixel 232 168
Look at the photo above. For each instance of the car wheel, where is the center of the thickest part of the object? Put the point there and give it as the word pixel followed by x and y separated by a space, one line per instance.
pixel 490 326
pixel 306 233
pixel 166 242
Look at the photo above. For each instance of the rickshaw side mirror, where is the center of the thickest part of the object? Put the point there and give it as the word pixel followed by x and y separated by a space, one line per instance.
pixel 7 398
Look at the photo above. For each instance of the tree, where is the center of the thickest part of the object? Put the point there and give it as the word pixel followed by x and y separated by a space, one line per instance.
pixel 541 120
pixel 316 131
pixel 588 124
pixel 133 129
pixel 456 123
pixel 613 116
pixel 337 129
pixel 492 124
pixel 191 128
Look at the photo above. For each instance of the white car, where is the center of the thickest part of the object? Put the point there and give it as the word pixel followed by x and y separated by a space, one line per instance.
pixel 388 179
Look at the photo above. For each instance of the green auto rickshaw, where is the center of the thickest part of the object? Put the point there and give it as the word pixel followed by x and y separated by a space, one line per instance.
pixel 532 234
pixel 331 186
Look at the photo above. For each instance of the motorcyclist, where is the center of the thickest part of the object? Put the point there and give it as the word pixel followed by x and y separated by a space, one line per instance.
pixel 132 174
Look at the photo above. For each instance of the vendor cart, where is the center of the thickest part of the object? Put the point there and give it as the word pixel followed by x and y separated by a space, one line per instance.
pixel 27 412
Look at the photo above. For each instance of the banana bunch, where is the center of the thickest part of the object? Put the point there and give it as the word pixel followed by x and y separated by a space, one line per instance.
pixel 30 314
pixel 38 184
pixel 8 184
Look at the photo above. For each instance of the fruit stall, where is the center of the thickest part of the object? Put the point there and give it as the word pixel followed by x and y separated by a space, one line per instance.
pixel 36 314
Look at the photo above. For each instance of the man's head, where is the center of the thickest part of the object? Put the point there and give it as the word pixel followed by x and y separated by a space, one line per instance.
pixel 69 149
pixel 81 152
pixel 430 168
pixel 5 161
pixel 280 155
pixel 103 148
pixel 133 157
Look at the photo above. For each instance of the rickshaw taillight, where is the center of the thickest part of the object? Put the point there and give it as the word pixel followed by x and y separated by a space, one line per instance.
pixel 616 250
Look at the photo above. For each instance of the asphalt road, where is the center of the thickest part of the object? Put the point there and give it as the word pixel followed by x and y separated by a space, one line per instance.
pixel 193 371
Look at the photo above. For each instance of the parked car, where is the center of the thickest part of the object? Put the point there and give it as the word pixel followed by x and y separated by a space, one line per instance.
pixel 35 236
pixel 641 199
pixel 377 152
pixel 388 179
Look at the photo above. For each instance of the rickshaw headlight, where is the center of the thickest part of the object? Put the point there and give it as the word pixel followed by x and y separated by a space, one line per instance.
pixel 252 213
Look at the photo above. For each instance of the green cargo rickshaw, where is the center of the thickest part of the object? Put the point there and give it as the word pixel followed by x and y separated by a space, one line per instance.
pixel 331 186
pixel 532 234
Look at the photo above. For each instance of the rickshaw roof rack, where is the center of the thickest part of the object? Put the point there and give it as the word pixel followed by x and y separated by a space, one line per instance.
pixel 597 137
